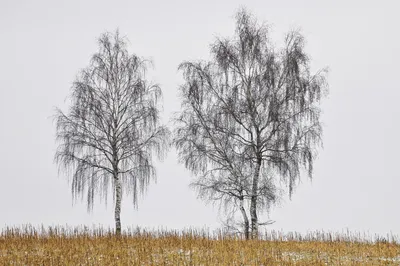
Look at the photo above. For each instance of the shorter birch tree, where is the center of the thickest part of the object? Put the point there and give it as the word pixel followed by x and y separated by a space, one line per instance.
pixel 112 129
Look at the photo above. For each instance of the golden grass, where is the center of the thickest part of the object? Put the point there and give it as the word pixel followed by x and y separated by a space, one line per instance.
pixel 82 246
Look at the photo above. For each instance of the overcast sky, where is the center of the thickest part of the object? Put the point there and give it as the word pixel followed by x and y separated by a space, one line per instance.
pixel 43 45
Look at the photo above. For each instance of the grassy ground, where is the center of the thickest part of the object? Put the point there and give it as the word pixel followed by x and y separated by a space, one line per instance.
pixel 81 246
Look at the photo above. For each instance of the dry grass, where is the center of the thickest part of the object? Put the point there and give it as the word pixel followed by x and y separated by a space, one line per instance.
pixel 81 246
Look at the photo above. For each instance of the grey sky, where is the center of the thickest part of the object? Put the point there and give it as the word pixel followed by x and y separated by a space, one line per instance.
pixel 44 44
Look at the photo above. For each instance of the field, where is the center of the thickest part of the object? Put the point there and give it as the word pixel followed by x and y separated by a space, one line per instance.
pixel 83 246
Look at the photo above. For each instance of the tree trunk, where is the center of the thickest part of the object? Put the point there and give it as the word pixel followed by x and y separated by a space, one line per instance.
pixel 253 202
pixel 246 220
pixel 118 197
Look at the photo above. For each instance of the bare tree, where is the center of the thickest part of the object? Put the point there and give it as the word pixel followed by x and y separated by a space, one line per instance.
pixel 112 129
pixel 249 115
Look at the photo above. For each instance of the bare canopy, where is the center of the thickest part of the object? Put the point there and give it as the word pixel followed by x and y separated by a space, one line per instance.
pixel 249 115
pixel 112 129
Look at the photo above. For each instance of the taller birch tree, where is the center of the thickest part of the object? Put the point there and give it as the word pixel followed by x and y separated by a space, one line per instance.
pixel 112 129
pixel 249 116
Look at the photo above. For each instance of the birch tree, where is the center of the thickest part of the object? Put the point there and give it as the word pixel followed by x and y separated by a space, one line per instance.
pixel 112 129
pixel 250 116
